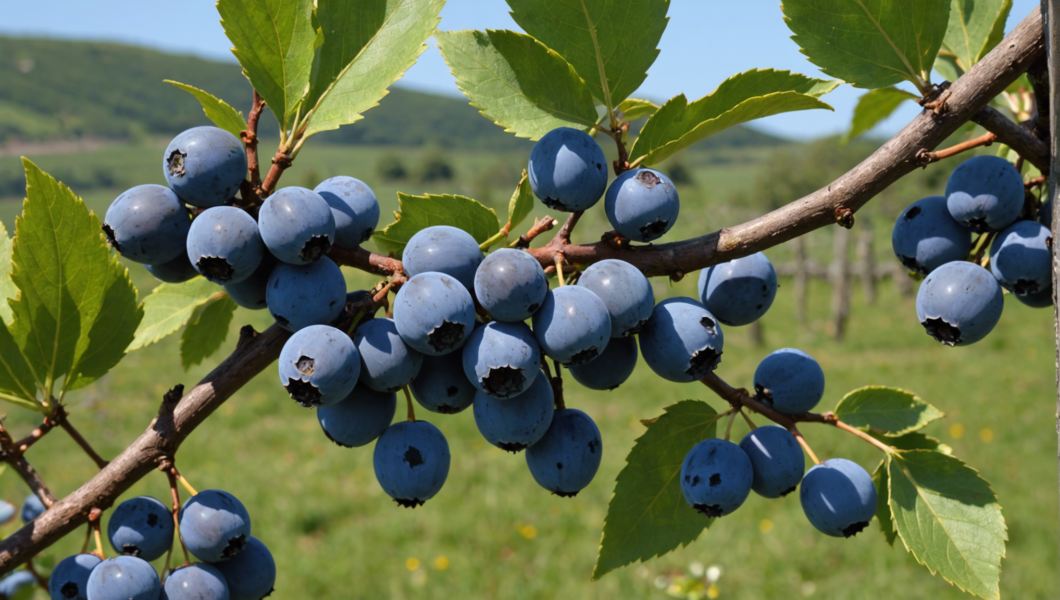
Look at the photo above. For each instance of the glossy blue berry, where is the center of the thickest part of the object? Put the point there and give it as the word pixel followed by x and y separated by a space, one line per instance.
pixel 205 166
pixel 740 291
pixel 443 249
pixel 302 295
pixel 1040 299
pixel 1021 258
pixel 681 341
pixel 198 581
pixel 565 459
pixel 515 423
pixel 642 204
pixel 214 525
pixel 319 365
pixel 411 462
pixel 17 584
pixel 959 303
pixel 985 193
pixel 716 477
pixel 572 325
pixel 625 292
pixel 296 225
pixel 387 363
pixel 147 224
pixel 925 236
pixel 124 578
pixel 251 573
pixel 250 293
pixel 358 419
pixel 224 244
pixel 69 579
pixel 838 497
pixel 141 527
pixel 611 369
pixel 789 381
pixel 510 285
pixel 31 508
pixel 502 359
pixel 567 170
pixel 177 270
pixel 441 385
pixel 434 313
pixel 354 207
pixel 776 458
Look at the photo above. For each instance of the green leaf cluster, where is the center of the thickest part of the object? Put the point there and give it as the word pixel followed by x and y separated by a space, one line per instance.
pixel 418 212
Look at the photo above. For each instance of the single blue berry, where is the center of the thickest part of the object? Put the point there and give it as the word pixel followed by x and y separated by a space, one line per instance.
pixel 7 511
pixel 441 385
pixel 147 224
pixel 515 423
pixel 565 459
pixel 123 578
pixel 776 458
pixel 925 236
pixel 789 381
pixel 838 497
pixel 740 291
pixel 177 270
pixel 959 303
pixel 682 341
pixel 197 581
pixel 510 285
pixel 296 225
pixel 319 365
pixel 567 170
pixel 985 193
pixel 205 166
pixel 572 325
pixel 443 249
pixel 69 579
pixel 642 204
pixel 141 527
pixel 251 573
pixel 250 293
pixel 502 359
pixel 1021 258
pixel 224 244
pixel 625 292
pixel 214 525
pixel 359 418
pixel 387 363
pixel 434 313
pixel 411 462
pixel 611 369
pixel 32 508
pixel 302 295
pixel 354 207
pixel 17 585
pixel 716 477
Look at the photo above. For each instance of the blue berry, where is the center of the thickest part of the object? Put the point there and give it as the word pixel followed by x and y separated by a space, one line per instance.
pixel 319 365
pixel 434 313
pixel 359 418
pixel 959 303
pixel 250 293
pixel 441 385
pixel 838 497
pixel 224 244
pixel 443 249
pixel 205 166
pixel 1021 258
pixel 177 270
pixel 411 462
pixel 514 423
pixel 1040 299
pixel 789 381
pixel 251 573
pixel 296 225
pixel 681 341
pixel 1045 213
pixel 141 527
pixel 572 325
pixel 147 224
pixel 612 368
pixel 32 508
pixel 566 458
pixel 510 285
pixel 985 193
pixel 214 525
pixel 7 511
pixel 387 363
pixel 354 207
pixel 502 359
pixel 642 204
pixel 568 170
pixel 926 237
pixel 776 459
pixel 69 579
pixel 740 291
pixel 124 578
pixel 716 477
pixel 16 582
pixel 302 295
pixel 625 292
pixel 198 581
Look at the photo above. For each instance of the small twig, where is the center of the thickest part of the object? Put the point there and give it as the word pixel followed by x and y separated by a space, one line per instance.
pixel 622 164
pixel 25 470
pixel 250 139
pixel 408 401
pixel 983 246
pixel 805 445
pixel 861 434
pixel 563 235
pixel 83 443
pixel 42 581
pixel 926 157
pixel 1034 182
pixel 540 226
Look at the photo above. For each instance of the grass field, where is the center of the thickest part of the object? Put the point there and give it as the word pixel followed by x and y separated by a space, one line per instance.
pixel 492 533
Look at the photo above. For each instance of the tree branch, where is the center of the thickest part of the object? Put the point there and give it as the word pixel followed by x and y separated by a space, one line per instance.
pixel 1015 136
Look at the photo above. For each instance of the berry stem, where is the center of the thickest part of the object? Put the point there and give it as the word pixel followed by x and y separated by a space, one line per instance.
pixel 728 425
pixel 750 423
pixel 95 516
pixel 408 401
pixel 559 269
pixel 805 445
pixel 174 477
pixel 42 581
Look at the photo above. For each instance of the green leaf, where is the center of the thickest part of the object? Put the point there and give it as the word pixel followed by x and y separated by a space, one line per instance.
pixel 368 45
pixel 975 27
pixel 875 106
pixel 274 41
pixel 946 65
pixel 949 519
pixel 749 95
pixel 883 508
pixel 913 441
pixel 885 409
pixel 169 307
pixel 16 378
pixel 616 37
pixel 77 308
pixel 7 286
pixel 206 331
pixel 870 43
pixel 516 82
pixel 522 202
pixel 648 515
pixel 217 110
pixel 417 212
pixel 635 108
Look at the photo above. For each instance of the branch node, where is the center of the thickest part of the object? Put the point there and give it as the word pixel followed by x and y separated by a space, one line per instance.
pixel 844 217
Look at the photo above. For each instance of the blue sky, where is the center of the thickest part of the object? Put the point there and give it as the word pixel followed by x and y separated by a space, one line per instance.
pixel 705 42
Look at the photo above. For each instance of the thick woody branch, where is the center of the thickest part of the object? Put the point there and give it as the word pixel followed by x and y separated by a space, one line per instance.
pixel 1015 136
pixel 1038 73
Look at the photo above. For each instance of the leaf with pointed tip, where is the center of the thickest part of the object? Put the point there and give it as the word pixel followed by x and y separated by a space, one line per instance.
pixel 522 202
pixel 870 43
pixel 206 330
pixel 517 82
pixel 418 212
pixel 886 409
pixel 749 95
pixel 604 40
pixel 217 110
pixel 7 286
pixel 169 307
pixel 949 519
pixel 648 515
pixel 875 106
pixel 368 45
pixel 274 41
pixel 975 27
pixel 635 108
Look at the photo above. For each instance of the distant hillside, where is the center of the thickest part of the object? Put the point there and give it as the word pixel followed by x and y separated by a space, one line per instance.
pixel 60 90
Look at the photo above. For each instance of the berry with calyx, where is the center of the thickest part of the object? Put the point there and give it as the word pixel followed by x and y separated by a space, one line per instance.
pixel 926 236
pixel 387 362
pixel 358 419
pixel 224 244
pixel 302 295
pixel 214 525
pixel 1021 258
pixel 1040 299
pixel 572 325
pixel 205 166
pixel 959 303
pixel 625 292
pixel 716 477
pixel 123 578
pixel 434 314
pixel 296 225
pixel 776 459
pixel 177 270
pixel 197 581
pixel 510 285
pixel 354 207
pixel 147 224
pixel 789 381
pixel 319 365
pixel 838 497
pixel 251 573
pixel 502 359
pixel 69 579
pixel 681 341
pixel 740 291
pixel 565 460
pixel 612 368
pixel 567 170
pixel 985 193
pixel 642 204
pixel 141 527
pixel 411 462
pixel 441 385
pixel 515 423
pixel 443 249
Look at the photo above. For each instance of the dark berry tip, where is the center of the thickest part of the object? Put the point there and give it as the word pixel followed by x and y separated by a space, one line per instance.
pixel 854 528
pixel 708 510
